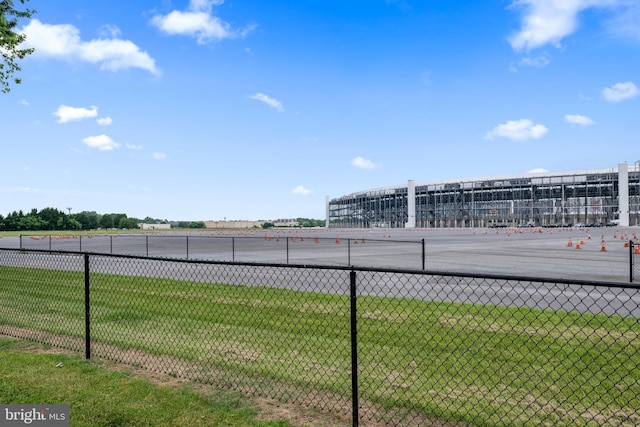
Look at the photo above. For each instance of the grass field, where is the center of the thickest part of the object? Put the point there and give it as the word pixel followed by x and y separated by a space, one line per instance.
pixel 102 394
pixel 418 360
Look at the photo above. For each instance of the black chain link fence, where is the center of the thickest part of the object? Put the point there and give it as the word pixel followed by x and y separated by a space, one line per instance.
pixel 366 346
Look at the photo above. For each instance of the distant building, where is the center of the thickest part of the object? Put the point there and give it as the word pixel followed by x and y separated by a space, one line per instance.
pixel 591 197
pixel 162 226
pixel 290 222
pixel 234 224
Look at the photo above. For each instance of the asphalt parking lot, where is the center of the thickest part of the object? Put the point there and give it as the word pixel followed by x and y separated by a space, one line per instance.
pixel 564 253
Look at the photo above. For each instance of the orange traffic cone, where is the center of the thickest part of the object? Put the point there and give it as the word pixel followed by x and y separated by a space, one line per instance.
pixel 570 243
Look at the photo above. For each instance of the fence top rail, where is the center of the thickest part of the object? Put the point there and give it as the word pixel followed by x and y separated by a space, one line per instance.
pixel 205 236
pixel 497 277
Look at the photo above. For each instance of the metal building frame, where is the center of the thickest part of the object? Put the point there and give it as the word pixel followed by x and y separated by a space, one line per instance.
pixel 593 197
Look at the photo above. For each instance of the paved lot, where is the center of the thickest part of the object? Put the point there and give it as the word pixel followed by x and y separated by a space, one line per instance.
pixel 534 252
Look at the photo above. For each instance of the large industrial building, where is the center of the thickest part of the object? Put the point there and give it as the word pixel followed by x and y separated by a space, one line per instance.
pixel 593 197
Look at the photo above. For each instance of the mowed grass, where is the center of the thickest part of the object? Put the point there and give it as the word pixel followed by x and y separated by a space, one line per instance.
pixel 418 360
pixel 102 395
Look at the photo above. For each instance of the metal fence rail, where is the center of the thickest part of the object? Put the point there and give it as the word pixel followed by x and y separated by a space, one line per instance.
pixel 295 249
pixel 368 346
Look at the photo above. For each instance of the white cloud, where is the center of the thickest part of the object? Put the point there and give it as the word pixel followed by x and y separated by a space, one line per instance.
pixel 549 21
pixel 197 21
pixel 24 102
pixel 133 146
pixel 577 119
pixel 159 156
pixel 269 101
pixel 620 91
pixel 301 191
pixel 626 22
pixel 63 42
pixel 518 130
pixel 104 121
pixel 362 163
pixel 67 114
pixel 538 170
pixel 109 31
pixel 101 142
pixel 539 61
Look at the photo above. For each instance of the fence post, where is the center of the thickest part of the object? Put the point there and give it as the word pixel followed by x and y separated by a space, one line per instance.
pixel 354 350
pixel 87 309
pixel 287 249
pixel 147 243
pixel 80 243
pixel 423 255
pixel 349 252
pixel 233 249
pixel 631 261
pixel 187 246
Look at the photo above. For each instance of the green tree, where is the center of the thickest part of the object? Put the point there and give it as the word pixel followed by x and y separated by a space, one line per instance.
pixel 51 217
pixel 117 218
pixel 106 221
pixel 10 42
pixel 32 223
pixel 197 224
pixel 12 220
pixel 88 220
pixel 128 223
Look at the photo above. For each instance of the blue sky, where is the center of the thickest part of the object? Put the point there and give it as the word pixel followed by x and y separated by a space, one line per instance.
pixel 258 109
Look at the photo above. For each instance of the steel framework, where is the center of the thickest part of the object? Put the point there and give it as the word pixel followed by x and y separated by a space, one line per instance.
pixel 591 197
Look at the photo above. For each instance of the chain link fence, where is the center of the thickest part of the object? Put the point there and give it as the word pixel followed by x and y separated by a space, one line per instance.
pixel 367 346
pixel 274 248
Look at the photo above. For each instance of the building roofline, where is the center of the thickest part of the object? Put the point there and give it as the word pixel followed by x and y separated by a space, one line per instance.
pixel 492 178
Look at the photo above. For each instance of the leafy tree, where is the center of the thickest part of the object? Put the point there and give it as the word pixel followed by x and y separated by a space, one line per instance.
pixel 307 222
pixel 31 222
pixel 268 225
pixel 66 222
pixel 128 223
pixel 10 42
pixel 88 220
pixel 12 220
pixel 106 221
pixel 197 224
pixel 51 217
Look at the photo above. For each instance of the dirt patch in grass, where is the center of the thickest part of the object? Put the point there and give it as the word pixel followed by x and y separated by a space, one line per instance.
pixel 301 407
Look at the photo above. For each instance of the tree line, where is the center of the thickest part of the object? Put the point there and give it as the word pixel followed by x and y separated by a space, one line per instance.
pixel 49 219
pixel 54 219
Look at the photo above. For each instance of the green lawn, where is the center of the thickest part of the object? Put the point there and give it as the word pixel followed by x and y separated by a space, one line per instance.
pixel 100 395
pixel 418 360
